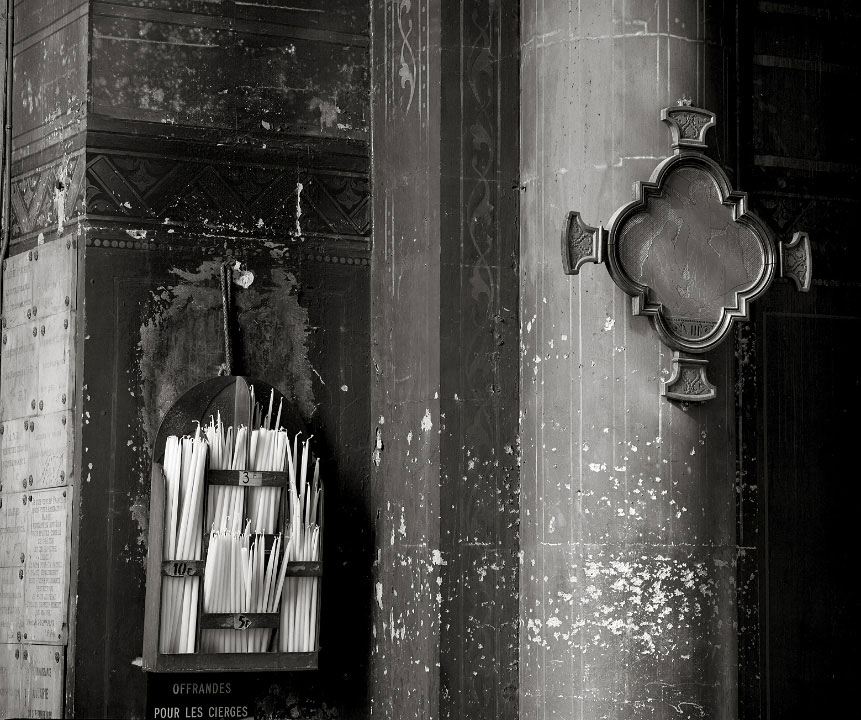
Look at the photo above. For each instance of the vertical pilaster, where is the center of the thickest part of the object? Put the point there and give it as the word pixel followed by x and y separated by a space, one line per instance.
pixel 628 500
pixel 444 324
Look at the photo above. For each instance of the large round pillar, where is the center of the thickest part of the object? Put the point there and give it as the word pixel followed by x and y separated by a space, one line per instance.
pixel 628 501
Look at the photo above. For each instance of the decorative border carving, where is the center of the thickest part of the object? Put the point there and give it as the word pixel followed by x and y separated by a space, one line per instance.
pixel 243 200
pixel 407 62
pixel 36 196
pixel 688 382
pixel 581 243
pixel 796 261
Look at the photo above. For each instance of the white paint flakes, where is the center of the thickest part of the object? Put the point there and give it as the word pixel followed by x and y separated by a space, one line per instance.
pixel 379 588
pixel 436 558
pixel 409 437
pixel 597 467
pixel 299 188
pixel 427 424
pixel 344 388
pixel 608 324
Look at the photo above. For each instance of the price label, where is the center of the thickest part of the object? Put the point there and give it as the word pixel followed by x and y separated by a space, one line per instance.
pixel 241 622
pixel 250 478
pixel 181 568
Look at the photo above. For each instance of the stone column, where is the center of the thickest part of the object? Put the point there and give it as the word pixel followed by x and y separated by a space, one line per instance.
pixel 628 532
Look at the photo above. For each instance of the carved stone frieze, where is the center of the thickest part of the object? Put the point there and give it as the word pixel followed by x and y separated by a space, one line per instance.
pixel 241 200
pixel 48 197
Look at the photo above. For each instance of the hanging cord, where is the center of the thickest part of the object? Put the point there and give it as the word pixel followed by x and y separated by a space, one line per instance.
pixel 226 310
pixel 6 175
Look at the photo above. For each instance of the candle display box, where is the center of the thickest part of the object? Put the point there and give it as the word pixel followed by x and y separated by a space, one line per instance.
pixel 172 580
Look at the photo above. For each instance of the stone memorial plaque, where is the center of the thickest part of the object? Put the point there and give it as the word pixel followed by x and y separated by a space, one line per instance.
pixel 687 249
pixel 18 372
pixel 692 252
pixel 56 360
pixel 13 530
pixel 54 272
pixel 46 583
pixel 11 680
pixel 11 604
pixel 43 681
pixel 14 455
pixel 17 290
pixel 50 450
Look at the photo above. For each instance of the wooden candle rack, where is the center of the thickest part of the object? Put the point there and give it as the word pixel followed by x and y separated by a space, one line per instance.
pixel 159 568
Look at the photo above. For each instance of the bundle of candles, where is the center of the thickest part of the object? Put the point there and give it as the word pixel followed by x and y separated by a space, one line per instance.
pixel 235 581
pixel 238 575
pixel 184 463
pixel 298 630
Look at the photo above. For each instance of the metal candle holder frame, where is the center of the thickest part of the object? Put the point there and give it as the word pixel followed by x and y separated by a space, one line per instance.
pixel 188 409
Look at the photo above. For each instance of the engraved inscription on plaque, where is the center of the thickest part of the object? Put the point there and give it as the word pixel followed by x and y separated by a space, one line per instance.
pixel 18 372
pixel 11 680
pixel 17 290
pixel 13 530
pixel 14 455
pixel 11 604
pixel 54 277
pixel 50 450
pixel 56 362
pixel 689 253
pixel 46 577
pixel 43 681
pixel 687 248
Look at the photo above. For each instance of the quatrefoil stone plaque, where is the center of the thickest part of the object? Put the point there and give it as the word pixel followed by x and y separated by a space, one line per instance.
pixel 688 251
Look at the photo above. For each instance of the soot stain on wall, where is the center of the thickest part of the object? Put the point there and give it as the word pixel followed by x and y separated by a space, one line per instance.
pixel 182 343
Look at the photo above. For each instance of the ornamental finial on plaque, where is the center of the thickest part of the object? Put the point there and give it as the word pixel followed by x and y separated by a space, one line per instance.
pixel 688 251
pixel 688 125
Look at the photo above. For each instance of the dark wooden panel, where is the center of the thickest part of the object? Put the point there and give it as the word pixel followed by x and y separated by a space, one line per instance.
pixel 812 393
pixel 302 326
